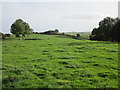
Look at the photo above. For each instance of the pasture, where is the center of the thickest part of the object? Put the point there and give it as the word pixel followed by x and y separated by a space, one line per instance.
pixel 51 61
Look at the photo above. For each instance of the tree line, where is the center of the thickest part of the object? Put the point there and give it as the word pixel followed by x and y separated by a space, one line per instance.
pixel 108 30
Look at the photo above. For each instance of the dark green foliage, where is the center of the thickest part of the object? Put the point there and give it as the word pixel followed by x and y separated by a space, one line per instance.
pixel 115 31
pixel 19 27
pixel 56 30
pixel 108 30
pixel 51 32
pixel 5 35
pixel 78 35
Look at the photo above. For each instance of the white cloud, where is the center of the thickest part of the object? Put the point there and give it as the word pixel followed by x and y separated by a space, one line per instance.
pixel 84 16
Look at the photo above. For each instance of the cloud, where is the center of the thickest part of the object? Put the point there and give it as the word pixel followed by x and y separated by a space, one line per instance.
pixel 84 16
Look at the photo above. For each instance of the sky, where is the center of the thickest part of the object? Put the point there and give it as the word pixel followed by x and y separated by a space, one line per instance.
pixel 66 16
pixel 60 0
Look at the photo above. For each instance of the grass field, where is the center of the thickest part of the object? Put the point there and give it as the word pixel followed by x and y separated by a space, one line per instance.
pixel 58 62
pixel 82 36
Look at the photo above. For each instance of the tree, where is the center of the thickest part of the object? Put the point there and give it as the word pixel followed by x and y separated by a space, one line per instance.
pixel 52 32
pixel 78 36
pixel 105 27
pixel 56 30
pixel 105 30
pixel 28 30
pixel 19 27
pixel 115 31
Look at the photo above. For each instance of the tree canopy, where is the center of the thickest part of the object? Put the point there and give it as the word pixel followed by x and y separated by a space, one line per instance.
pixel 19 27
pixel 108 30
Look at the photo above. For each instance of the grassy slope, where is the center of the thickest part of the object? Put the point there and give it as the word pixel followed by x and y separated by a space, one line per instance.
pixel 55 62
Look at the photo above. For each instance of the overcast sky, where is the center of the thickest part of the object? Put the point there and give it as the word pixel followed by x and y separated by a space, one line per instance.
pixel 64 16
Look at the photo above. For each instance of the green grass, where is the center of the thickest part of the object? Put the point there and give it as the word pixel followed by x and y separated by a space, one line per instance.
pixel 59 62
pixel 81 35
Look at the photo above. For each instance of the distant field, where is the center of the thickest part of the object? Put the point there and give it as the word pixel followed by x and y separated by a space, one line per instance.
pixel 59 62
pixel 81 35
